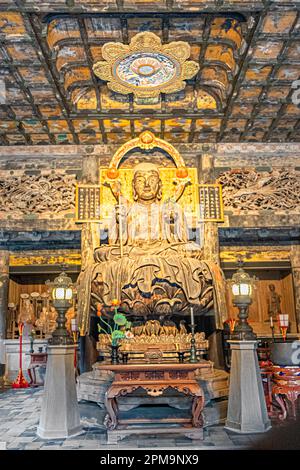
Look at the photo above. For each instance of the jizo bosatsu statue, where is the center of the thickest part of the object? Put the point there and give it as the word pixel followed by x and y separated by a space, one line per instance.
pixel 149 264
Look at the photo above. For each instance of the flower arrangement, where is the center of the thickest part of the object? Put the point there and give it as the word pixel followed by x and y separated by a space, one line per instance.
pixel 120 328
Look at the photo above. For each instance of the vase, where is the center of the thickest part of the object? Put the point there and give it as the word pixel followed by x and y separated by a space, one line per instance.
pixel 114 353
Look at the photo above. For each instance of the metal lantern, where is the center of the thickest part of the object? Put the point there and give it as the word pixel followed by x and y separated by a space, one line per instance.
pixel 242 288
pixel 241 285
pixel 62 295
pixel 62 290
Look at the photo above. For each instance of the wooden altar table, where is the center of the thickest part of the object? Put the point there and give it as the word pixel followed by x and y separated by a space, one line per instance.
pixel 154 379
pixel 286 389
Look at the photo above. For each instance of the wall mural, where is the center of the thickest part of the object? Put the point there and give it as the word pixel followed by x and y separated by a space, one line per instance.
pixel 43 194
pixel 251 190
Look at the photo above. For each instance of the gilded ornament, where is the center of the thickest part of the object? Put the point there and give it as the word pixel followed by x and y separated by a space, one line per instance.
pixel 146 67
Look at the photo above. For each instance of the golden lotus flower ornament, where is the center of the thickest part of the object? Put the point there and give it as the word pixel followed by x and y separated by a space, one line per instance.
pixel 146 67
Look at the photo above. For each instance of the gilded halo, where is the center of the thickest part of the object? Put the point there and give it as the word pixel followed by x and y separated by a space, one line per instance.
pixel 146 67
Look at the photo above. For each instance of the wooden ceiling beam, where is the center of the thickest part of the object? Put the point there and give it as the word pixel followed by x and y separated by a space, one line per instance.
pixel 90 61
pixel 250 40
pixel 253 37
pixel 282 56
pixel 204 42
pixel 42 46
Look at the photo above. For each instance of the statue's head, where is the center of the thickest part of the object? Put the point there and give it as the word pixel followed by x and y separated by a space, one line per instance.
pixel 146 184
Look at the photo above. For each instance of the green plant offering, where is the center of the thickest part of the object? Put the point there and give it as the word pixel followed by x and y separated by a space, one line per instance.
pixel 120 326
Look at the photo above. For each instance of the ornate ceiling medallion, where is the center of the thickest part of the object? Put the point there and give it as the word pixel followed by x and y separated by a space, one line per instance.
pixel 146 67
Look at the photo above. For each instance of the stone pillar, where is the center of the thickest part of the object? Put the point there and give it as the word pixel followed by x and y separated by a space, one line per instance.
pixel 247 410
pixel 211 247
pixel 4 283
pixel 59 413
pixel 295 263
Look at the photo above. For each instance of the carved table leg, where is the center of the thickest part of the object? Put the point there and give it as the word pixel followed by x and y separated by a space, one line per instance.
pixel 114 404
pixel 269 396
pixel 197 407
pixel 110 420
pixel 292 398
pixel 282 405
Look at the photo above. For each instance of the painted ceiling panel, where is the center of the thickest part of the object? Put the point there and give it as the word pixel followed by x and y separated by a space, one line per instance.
pixel 91 139
pixel 279 22
pixel 103 29
pixel 153 125
pixel 245 90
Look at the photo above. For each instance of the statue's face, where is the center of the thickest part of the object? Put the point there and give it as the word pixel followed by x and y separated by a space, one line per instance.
pixel 146 185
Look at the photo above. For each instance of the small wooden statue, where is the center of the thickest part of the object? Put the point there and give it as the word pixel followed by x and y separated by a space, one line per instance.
pixel 274 300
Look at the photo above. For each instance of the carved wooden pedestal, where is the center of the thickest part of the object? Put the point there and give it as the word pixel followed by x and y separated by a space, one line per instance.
pixel 154 379
pixel 286 389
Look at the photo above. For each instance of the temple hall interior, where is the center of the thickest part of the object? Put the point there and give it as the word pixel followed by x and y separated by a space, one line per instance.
pixel 149 224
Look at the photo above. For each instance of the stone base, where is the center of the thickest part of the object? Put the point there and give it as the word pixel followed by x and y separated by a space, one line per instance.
pixel 46 434
pixel 247 411
pixel 10 352
pixel 113 437
pixel 215 412
pixel 59 413
pixel 247 429
pixel 91 386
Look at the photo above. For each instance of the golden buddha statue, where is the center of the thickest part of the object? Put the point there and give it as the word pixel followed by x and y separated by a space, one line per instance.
pixel 149 264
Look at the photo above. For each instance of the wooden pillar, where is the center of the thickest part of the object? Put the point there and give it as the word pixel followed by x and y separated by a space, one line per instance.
pixel 295 263
pixel 90 239
pixel 89 231
pixel 211 249
pixel 4 282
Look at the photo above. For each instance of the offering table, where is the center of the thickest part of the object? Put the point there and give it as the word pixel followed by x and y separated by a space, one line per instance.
pixel 154 379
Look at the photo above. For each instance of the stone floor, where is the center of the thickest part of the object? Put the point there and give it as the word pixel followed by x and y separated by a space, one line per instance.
pixel 19 417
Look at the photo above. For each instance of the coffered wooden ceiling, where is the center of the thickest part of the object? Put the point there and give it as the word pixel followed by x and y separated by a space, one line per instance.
pixel 245 90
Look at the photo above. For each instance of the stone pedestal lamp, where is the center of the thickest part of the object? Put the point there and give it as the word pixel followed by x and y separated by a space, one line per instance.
pixel 60 414
pixel 247 411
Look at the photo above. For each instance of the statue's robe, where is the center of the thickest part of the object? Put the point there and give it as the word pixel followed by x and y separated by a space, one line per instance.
pixel 160 270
